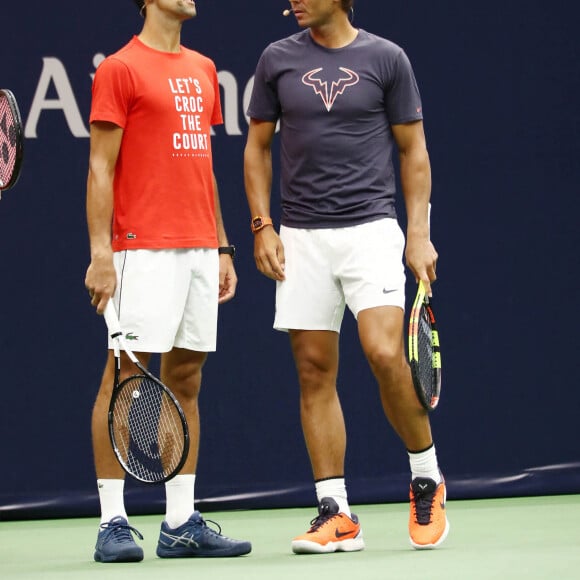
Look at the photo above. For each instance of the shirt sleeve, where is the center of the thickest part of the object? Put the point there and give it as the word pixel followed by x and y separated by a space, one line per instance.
pixel 402 97
pixel 217 114
pixel 112 93
pixel 264 102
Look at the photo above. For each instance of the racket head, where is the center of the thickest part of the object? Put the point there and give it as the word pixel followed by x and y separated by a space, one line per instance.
pixel 11 140
pixel 147 426
pixel 148 429
pixel 425 350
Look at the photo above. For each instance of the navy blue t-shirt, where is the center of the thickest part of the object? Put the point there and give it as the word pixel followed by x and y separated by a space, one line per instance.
pixel 335 107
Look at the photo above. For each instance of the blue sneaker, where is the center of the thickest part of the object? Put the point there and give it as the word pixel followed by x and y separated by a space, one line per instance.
pixel 195 539
pixel 116 544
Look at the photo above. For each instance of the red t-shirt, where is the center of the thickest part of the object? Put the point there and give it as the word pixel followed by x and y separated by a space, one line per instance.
pixel 166 104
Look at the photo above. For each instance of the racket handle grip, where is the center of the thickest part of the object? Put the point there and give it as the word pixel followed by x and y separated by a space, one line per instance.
pixel 111 319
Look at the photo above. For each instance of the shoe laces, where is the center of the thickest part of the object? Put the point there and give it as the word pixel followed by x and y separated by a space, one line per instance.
pixel 203 523
pixel 119 531
pixel 325 514
pixel 423 504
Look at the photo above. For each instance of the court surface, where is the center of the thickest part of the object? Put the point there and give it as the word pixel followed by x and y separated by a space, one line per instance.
pixel 531 538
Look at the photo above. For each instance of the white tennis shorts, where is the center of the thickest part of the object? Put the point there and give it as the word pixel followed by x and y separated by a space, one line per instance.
pixel 326 269
pixel 168 298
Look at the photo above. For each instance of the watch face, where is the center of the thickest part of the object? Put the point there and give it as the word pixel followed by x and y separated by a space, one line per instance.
pixel 259 222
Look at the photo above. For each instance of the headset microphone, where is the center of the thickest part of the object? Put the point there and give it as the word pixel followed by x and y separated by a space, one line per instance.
pixel 287 12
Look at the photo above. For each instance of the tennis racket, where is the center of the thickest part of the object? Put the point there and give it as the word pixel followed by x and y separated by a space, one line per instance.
pixel 147 426
pixel 11 140
pixel 424 350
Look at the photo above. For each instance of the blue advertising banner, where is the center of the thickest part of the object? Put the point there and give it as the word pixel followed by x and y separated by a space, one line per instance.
pixel 500 86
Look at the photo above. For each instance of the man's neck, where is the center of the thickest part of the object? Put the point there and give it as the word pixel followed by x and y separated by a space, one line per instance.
pixel 336 34
pixel 162 37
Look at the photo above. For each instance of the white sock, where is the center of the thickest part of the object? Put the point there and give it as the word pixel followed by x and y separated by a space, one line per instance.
pixel 111 498
pixel 424 464
pixel 179 493
pixel 336 489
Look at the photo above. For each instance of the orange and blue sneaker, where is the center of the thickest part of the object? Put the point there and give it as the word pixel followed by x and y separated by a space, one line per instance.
pixel 428 524
pixel 331 531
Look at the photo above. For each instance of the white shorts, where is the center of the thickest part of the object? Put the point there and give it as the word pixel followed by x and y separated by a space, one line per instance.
pixel 168 298
pixel 360 266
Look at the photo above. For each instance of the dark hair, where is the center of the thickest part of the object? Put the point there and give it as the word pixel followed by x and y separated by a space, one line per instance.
pixel 141 6
pixel 347 5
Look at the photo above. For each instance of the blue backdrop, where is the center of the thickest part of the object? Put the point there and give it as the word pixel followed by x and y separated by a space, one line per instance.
pixel 500 85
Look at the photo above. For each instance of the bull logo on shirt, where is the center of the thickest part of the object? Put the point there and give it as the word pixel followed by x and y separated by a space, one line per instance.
pixel 337 87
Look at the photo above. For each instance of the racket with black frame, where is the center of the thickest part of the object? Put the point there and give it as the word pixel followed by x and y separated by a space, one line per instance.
pixel 147 426
pixel 424 350
pixel 11 140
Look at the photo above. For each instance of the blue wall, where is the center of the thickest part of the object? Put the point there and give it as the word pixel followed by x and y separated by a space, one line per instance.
pixel 500 84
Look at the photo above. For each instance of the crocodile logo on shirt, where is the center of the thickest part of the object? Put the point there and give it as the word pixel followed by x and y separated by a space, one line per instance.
pixel 321 87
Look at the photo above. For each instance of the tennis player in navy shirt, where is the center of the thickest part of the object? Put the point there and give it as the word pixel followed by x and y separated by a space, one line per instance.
pixel 347 101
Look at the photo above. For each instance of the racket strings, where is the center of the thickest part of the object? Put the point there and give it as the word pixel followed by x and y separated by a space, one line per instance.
pixel 8 142
pixel 147 429
pixel 425 353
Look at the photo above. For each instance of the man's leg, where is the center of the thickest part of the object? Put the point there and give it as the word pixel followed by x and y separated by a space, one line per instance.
pixel 181 372
pixel 381 336
pixel 184 533
pixel 316 357
pixel 114 541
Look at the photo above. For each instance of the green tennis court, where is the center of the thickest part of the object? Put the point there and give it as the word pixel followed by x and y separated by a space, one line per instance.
pixel 531 538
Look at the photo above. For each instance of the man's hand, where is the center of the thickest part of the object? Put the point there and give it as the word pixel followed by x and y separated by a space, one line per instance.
pixel 269 253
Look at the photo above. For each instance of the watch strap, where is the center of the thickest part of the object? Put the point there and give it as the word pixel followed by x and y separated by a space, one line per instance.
pixel 259 222
pixel 231 250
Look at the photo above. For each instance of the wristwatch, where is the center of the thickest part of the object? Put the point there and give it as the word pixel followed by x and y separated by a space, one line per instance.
pixel 259 222
pixel 231 250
